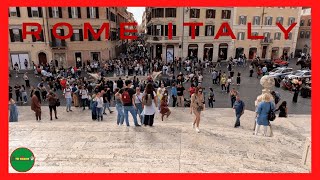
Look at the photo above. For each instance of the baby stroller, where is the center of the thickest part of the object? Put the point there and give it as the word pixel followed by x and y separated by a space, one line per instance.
pixel 187 102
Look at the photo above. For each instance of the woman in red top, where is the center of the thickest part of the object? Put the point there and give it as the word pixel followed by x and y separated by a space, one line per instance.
pixel 63 83
pixel 192 89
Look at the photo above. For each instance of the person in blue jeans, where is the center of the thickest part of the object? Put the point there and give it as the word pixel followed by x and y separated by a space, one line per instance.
pixel 128 103
pixel 119 107
pixel 138 103
pixel 239 107
pixel 99 107
pixel 67 94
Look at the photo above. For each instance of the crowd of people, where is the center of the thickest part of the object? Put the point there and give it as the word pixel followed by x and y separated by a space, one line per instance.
pixel 142 98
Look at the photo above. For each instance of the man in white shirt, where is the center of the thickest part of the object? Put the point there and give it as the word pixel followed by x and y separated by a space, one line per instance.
pixel 67 94
pixel 84 96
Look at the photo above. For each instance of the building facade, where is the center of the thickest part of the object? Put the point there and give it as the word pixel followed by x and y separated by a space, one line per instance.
pixel 204 46
pixel 74 51
pixel 304 35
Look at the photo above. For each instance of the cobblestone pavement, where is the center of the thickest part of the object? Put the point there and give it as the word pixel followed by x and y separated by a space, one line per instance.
pixel 75 143
pixel 249 89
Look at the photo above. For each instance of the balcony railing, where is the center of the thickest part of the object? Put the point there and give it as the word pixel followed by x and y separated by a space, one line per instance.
pixel 266 41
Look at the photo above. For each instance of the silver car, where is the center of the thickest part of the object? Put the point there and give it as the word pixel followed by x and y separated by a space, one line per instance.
pixel 299 74
pixel 280 72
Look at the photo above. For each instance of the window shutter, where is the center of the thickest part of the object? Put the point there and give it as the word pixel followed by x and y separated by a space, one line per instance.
pixel 161 30
pixel 97 12
pixel 99 39
pixel 53 39
pixel 50 12
pixel 81 34
pixel 197 30
pixel 79 12
pixel 63 41
pixel 41 36
pixel 18 11
pixel 189 31
pixel 72 37
pixel 166 30
pixel 88 12
pixel 174 30
pixel 29 11
pixel 60 12
pixel 40 11
pixel 206 31
pixel 265 21
pixel 154 30
pixel 238 36
pixel 90 35
pixel 240 20
pixel 69 12
pixel 245 19
pixel 20 34
pixel 34 39
pixel 271 20
pixel 11 35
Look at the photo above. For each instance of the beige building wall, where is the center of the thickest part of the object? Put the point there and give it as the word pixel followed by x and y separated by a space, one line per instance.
pixel 32 49
pixel 304 43
pixel 274 12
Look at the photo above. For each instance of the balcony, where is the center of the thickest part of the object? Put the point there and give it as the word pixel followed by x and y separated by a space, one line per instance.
pixel 266 41
pixel 58 44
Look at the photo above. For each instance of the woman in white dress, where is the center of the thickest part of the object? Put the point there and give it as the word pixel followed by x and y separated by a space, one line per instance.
pixel 149 100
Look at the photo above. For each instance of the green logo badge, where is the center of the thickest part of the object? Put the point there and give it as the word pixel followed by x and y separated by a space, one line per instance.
pixel 22 159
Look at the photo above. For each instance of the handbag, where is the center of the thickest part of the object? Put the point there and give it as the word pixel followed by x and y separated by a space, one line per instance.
pixel 57 102
pixel 271 114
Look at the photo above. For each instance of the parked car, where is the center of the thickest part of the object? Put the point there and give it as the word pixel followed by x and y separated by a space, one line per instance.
pixel 299 74
pixel 280 72
pixel 280 63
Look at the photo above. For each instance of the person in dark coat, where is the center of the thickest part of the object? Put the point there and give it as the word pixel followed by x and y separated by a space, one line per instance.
pixel 295 90
pixel 283 109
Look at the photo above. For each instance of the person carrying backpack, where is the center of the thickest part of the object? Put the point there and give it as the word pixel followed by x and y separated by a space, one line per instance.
pixel 128 103
pixel 149 101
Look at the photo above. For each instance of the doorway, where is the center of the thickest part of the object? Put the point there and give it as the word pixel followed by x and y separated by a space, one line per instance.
pixel 252 53
pixel 159 51
pixel 223 51
pixel 42 58
pixel 239 51
pixel 264 52
pixel 78 59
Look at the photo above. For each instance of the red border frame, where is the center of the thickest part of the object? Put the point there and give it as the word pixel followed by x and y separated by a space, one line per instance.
pixel 4 84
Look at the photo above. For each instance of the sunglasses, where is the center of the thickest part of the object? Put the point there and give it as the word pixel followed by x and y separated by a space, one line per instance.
pixel 200 91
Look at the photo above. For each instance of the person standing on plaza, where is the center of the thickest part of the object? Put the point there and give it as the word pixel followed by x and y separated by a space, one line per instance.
pixel 233 95
pixel 164 110
pixel 296 90
pixel 106 100
pixel 180 93
pixel 214 77
pixel 160 92
pixel 149 101
pixel 238 79
pixel 26 63
pixel 84 96
pixel 174 95
pixel 251 69
pixel 52 99
pixel 26 79
pixel 264 70
pixel 223 81
pixel 197 105
pixel 283 109
pixel 75 93
pixel 138 103
pixel 262 111
pixel 211 99
pixel 99 107
pixel 192 89
pixel 36 105
pixel 67 94
pixel 17 88
pixel 239 108
pixel 128 103
pixel 119 107
pixel 13 111
pixel 259 71
pixel 93 107
pixel 24 94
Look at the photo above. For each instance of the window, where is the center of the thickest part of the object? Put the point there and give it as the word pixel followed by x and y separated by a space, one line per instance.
pixel 224 30
pixel 112 17
pixel 209 30
pixel 277 36
pixel 290 36
pixel 16 35
pixel 211 13
pixel 240 36
pixel 107 13
pixel 55 12
pixel 302 22
pixel 174 30
pixel 14 12
pixel 242 20
pixel 34 11
pixel 34 39
pixel 196 31
pixel 171 12
pixel 158 30
pixel 307 34
pixel 266 36
pixel 226 14
pixel 194 13
pixel 158 13
pixel 256 20
pixel 254 34
pixel 76 35
pixel 291 20
pixel 93 12
pixel 268 21
pixel 280 20
pixel 301 34
pixel 309 22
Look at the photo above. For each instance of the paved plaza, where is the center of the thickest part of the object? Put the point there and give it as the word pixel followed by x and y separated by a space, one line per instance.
pixel 75 143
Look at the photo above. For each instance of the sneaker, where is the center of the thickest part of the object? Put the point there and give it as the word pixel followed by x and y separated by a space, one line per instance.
pixel 192 125
pixel 198 130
